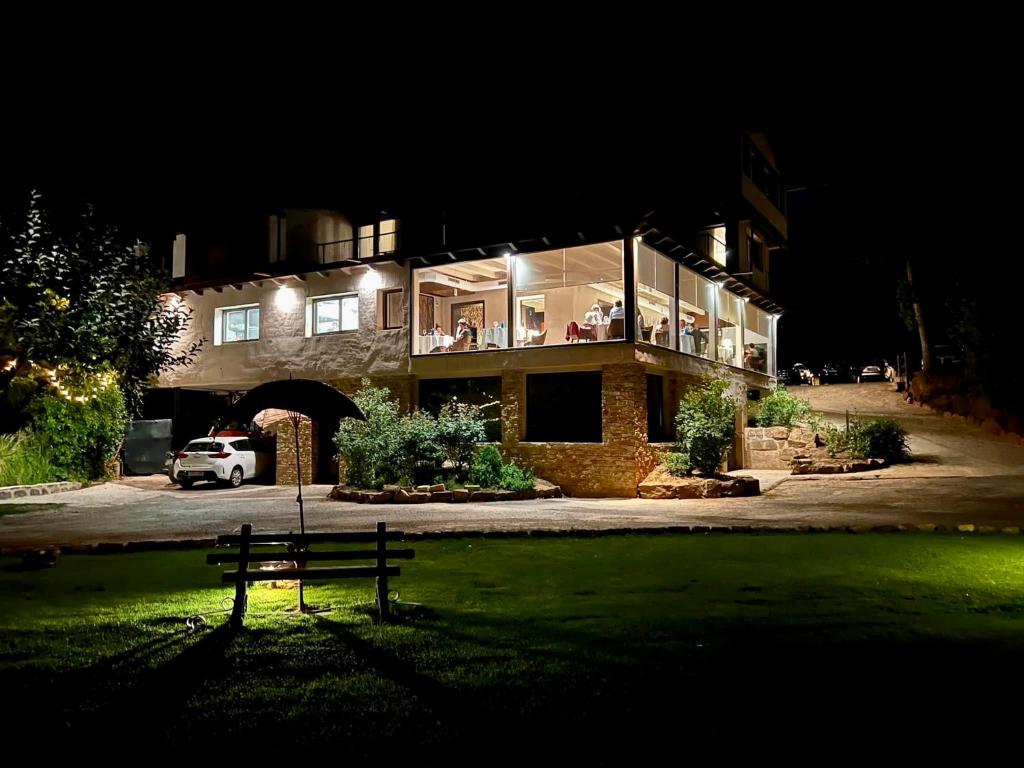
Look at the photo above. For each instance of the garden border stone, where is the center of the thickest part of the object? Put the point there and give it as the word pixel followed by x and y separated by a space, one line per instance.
pixel 39 489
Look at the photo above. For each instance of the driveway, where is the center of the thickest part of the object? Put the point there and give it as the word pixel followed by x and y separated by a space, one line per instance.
pixel 962 475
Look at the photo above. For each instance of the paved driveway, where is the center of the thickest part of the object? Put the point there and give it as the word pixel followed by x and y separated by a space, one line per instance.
pixel 964 475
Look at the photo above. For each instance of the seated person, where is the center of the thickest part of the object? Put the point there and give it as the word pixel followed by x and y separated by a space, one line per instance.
pixel 661 332
pixel 438 330
pixel 617 311
pixel 463 336
pixel 594 317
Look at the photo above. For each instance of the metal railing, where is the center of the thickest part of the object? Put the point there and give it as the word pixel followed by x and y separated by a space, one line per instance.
pixel 355 249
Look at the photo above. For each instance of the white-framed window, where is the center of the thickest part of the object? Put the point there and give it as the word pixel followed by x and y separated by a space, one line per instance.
pixel 332 314
pixel 231 324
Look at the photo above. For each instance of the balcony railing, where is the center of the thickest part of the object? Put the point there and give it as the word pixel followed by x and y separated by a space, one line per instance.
pixel 356 249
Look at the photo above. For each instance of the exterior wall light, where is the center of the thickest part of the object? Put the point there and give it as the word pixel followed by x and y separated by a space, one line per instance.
pixel 285 299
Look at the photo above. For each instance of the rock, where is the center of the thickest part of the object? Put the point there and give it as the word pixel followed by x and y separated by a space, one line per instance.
pixel 340 493
pixel 965 528
pixel 858 528
pixel 660 484
pixel 471 488
pixel 392 488
pixel 481 495
pixel 501 495
pixel 436 488
pixel 778 433
pixel 419 497
pixel 1013 530
pixel 422 489
pixel 987 529
pixel 379 497
pixel 763 445
pixel 444 496
pixel 926 527
pixel 460 495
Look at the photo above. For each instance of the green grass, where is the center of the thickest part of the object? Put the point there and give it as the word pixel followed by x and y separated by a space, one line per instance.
pixel 24 461
pixel 587 645
pixel 17 509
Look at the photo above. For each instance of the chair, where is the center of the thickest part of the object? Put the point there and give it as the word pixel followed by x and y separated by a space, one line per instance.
pixel 538 340
pixel 617 328
pixel 645 332
pixel 461 344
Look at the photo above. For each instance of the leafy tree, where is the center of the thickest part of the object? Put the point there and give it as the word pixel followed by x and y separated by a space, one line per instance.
pixel 79 296
pixel 780 408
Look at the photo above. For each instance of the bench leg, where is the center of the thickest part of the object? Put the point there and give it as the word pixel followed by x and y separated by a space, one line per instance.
pixel 241 603
pixel 382 598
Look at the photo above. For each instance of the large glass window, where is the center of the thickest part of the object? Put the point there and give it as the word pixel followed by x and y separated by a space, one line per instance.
pixel 757 340
pixel 569 295
pixel 696 309
pixel 656 275
pixel 484 391
pixel 563 407
pixel 728 310
pixel 475 292
pixel 333 314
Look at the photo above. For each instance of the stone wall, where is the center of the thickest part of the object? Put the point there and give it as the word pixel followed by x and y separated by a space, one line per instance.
pixel 613 467
pixel 775 447
pixel 286 451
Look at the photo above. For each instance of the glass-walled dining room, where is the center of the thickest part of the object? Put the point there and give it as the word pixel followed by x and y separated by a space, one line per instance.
pixel 561 296
pixel 576 296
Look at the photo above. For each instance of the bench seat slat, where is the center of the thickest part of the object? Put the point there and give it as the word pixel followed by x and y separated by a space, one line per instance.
pixel 218 558
pixel 309 538
pixel 307 574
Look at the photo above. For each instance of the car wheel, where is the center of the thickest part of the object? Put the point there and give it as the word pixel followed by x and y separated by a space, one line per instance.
pixel 235 479
pixel 858 379
pixel 186 484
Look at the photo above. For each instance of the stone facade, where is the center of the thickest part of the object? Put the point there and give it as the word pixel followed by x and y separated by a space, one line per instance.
pixel 775 447
pixel 286 451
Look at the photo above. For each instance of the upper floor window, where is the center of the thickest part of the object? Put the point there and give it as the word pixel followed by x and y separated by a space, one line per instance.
pixel 755 249
pixel 393 314
pixel 377 239
pixel 333 314
pixel 240 323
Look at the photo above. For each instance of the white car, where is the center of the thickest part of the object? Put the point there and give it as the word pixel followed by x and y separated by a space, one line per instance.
pixel 223 459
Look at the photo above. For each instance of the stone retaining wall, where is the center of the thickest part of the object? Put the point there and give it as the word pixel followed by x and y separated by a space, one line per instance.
pixel 40 489
pixel 775 447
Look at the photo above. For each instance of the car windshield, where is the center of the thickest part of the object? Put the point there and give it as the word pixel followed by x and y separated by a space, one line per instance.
pixel 204 446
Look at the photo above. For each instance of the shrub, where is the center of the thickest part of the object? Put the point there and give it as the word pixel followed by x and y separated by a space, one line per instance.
pixel 676 464
pixel 869 438
pixel 81 436
pixel 23 460
pixel 705 427
pixel 886 439
pixel 515 478
pixel 460 426
pixel 487 467
pixel 420 453
pixel 372 449
pixel 780 408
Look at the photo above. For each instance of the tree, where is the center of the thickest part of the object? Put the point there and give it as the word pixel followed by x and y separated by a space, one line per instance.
pixel 78 296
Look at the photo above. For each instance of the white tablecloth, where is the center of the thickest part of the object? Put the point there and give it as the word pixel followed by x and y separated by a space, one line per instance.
pixel 424 344
pixel 496 336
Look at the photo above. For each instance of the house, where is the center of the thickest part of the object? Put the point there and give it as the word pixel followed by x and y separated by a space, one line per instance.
pixel 341 293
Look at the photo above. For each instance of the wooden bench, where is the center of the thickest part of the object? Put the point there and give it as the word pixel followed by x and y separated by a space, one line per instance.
pixel 298 552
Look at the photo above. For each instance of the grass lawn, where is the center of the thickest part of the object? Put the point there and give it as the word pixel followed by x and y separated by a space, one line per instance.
pixel 531 649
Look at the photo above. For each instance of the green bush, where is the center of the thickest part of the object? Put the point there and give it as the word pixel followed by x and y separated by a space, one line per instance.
pixel 81 433
pixel 676 464
pixel 460 426
pixel 372 449
pixel 23 460
pixel 886 439
pixel 780 408
pixel 515 478
pixel 487 465
pixel 868 438
pixel 417 448
pixel 705 427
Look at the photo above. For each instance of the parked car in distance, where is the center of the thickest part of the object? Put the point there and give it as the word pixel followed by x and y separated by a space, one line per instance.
pixel 872 371
pixel 784 376
pixel 832 373
pixel 229 460
pixel 801 374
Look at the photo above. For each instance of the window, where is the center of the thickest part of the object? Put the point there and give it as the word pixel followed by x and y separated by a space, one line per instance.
pixel 655 286
pixel 563 407
pixel 564 296
pixel 393 315
pixel 755 252
pixel 728 327
pixel 377 239
pixel 333 314
pixel 757 339
pixel 657 425
pixel 696 309
pixel 474 291
pixel 233 324
pixel 484 391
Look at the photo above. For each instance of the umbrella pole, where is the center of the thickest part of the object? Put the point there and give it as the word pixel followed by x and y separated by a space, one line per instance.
pixel 296 419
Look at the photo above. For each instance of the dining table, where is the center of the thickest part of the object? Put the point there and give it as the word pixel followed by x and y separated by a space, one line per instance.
pixel 429 342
